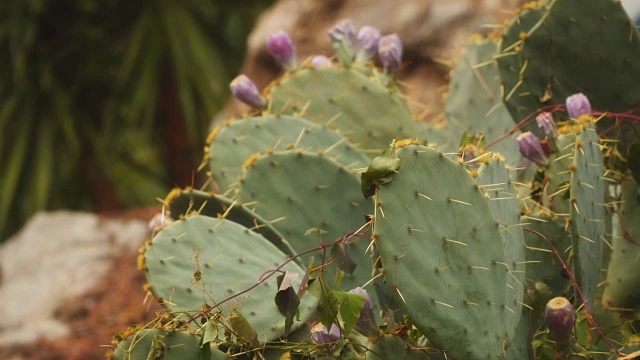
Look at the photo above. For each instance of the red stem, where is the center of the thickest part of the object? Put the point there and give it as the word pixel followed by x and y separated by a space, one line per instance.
pixel 575 283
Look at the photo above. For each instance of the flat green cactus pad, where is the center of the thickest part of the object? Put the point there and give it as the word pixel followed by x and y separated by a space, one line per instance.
pixel 235 142
pixel 196 262
pixel 443 256
pixel 362 109
pixel 494 179
pixel 590 49
pixel 515 91
pixel 587 209
pixel 394 347
pixel 305 191
pixel 474 102
pixel 623 277
pixel 186 202
pixel 556 189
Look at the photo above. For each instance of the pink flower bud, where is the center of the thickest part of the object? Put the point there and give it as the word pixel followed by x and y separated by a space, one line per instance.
pixel 531 149
pixel 320 61
pixel 390 51
pixel 547 125
pixel 320 334
pixel 367 43
pixel 281 47
pixel 578 105
pixel 246 91
pixel 342 37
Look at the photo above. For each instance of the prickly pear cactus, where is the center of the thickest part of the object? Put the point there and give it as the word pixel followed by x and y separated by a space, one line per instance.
pixel 623 279
pixel 393 347
pixel 231 145
pixel 196 262
pixel 361 108
pixel 443 256
pixel 587 209
pixel 556 189
pixel 474 102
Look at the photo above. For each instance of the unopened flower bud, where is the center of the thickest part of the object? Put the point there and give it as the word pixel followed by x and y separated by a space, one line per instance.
pixel 578 105
pixel 547 125
pixel 367 322
pixel 560 317
pixel 367 43
pixel 390 51
pixel 281 47
pixel 158 221
pixel 246 91
pixel 320 61
pixel 531 149
pixel 342 37
pixel 320 334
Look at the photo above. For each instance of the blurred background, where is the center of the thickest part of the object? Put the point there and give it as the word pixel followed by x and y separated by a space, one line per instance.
pixel 105 104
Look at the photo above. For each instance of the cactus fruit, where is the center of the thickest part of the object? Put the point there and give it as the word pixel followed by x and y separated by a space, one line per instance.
pixel 560 317
pixel 530 148
pixel 623 279
pixel 198 261
pixel 246 91
pixel 474 102
pixel 587 208
pixel 232 144
pixel 357 106
pixel 443 256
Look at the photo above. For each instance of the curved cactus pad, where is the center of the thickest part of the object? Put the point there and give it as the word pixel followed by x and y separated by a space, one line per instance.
pixel 359 107
pixel 591 49
pixel 196 262
pixel 186 202
pixel 474 102
pixel 166 345
pixel 235 142
pixel 307 191
pixel 587 209
pixel 623 277
pixel 443 255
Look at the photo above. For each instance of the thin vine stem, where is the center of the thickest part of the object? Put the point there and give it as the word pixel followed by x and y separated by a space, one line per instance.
pixel 575 283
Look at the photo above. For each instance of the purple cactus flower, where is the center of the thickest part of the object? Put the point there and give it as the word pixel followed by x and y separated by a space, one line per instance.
pixel 320 334
pixel 390 51
pixel 531 149
pixel 367 43
pixel 547 125
pixel 578 105
pixel 320 61
pixel 560 317
pixel 367 322
pixel 281 47
pixel 246 91
pixel 342 37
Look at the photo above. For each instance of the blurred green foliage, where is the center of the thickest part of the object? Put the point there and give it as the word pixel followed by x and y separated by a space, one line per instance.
pixel 91 89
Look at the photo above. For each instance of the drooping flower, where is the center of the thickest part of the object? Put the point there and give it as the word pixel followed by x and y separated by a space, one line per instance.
pixel 367 43
pixel 320 61
pixel 390 51
pixel 280 46
pixel 320 334
pixel 367 322
pixel 578 105
pixel 342 37
pixel 530 148
pixel 547 125
pixel 246 91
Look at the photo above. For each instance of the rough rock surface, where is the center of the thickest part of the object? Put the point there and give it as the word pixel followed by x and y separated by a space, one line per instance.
pixel 432 31
pixel 50 269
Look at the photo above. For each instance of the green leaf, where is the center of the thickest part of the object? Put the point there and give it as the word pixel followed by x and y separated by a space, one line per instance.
pixel 210 333
pixel 243 328
pixel 157 347
pixel 380 171
pixel 340 254
pixel 350 306
pixel 315 230
pixel 582 330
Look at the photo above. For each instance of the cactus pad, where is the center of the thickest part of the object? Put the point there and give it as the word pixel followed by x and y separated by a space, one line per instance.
pixel 202 260
pixel 393 347
pixel 168 345
pixel 443 256
pixel 368 113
